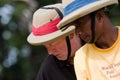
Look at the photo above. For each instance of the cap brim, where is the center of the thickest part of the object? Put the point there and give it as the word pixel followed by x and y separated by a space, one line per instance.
pixel 46 39
pixel 84 11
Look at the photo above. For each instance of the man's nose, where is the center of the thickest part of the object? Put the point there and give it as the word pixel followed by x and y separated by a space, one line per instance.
pixel 50 49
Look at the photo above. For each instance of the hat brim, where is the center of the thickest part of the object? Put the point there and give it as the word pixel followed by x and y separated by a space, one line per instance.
pixel 84 11
pixel 49 38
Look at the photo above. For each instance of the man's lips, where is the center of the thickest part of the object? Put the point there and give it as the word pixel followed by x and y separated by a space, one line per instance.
pixel 85 38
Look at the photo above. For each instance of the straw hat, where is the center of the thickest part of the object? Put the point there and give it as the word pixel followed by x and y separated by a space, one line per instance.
pixel 79 8
pixel 66 2
pixel 44 28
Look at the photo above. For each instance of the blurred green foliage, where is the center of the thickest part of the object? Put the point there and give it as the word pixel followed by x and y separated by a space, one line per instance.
pixel 18 59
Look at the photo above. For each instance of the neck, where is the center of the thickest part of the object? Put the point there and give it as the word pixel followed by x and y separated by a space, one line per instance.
pixel 108 38
pixel 70 60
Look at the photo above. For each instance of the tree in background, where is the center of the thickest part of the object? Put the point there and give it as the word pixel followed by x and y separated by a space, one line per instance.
pixel 18 59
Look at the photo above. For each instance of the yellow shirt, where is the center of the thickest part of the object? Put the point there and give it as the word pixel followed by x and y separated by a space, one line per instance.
pixel 92 63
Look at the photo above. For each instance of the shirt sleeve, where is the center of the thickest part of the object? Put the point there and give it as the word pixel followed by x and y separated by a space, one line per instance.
pixel 80 65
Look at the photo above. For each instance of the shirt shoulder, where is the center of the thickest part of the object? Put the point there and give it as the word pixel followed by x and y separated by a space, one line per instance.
pixel 81 56
pixel 48 63
pixel 82 52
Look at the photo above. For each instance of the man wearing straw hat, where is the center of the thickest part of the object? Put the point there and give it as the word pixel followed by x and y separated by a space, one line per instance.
pixel 99 59
pixel 61 45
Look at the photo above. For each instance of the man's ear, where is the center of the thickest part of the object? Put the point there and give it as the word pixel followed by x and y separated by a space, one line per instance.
pixel 71 35
pixel 99 16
